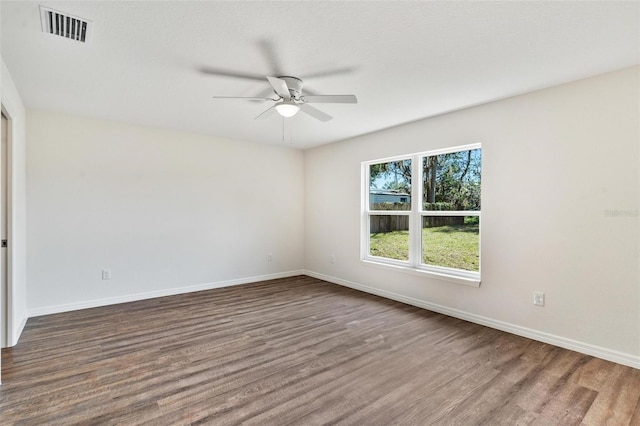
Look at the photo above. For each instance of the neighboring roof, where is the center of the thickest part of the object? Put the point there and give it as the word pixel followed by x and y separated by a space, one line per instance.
pixel 388 192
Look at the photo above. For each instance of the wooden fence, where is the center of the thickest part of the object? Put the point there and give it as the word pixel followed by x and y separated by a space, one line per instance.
pixel 381 224
pixel 390 223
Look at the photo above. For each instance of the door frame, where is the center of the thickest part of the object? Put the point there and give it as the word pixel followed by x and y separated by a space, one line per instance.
pixel 6 306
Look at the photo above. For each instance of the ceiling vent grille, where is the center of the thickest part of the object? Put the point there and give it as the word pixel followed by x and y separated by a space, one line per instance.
pixel 64 25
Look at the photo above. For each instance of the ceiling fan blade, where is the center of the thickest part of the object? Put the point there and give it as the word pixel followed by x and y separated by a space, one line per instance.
pixel 266 113
pixel 280 86
pixel 252 98
pixel 328 73
pixel 227 73
pixel 271 55
pixel 314 112
pixel 330 99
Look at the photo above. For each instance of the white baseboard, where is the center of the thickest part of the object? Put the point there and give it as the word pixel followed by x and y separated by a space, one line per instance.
pixel 15 336
pixel 47 310
pixel 585 348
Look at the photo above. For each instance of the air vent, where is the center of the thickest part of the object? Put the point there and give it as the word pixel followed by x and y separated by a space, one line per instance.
pixel 64 25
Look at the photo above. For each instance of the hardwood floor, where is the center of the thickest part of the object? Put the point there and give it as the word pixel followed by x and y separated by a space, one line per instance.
pixel 299 351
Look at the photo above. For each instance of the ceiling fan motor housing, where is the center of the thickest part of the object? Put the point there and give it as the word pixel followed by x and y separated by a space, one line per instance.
pixel 294 85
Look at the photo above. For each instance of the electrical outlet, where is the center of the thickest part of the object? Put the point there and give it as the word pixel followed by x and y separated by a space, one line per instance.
pixel 332 258
pixel 538 298
pixel 269 257
pixel 106 274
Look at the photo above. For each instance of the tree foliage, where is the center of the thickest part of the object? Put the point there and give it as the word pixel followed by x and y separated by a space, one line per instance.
pixel 452 178
pixel 396 175
pixel 457 179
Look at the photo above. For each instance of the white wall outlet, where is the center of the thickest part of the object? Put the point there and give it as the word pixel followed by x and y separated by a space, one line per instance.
pixel 269 257
pixel 106 274
pixel 332 258
pixel 538 298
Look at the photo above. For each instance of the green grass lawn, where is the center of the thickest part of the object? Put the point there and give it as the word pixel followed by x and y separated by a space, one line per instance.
pixel 451 246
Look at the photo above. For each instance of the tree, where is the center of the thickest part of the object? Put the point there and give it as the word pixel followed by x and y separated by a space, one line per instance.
pixel 453 178
pixel 395 174
pixel 429 178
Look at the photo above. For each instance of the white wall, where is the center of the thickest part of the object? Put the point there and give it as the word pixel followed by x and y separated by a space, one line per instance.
pixel 554 162
pixel 171 211
pixel 166 211
pixel 17 269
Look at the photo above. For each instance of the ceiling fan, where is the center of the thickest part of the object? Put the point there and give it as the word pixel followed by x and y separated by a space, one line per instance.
pixel 290 99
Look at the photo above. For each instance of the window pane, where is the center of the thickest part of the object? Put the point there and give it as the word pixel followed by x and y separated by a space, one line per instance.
pixel 389 236
pixel 390 185
pixel 451 242
pixel 452 181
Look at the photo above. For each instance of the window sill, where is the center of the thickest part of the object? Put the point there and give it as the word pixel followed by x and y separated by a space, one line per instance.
pixel 472 282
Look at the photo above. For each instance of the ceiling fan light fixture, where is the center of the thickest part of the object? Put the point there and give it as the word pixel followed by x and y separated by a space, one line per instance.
pixel 287 108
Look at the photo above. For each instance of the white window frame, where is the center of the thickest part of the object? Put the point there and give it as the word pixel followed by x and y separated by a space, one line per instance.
pixel 414 264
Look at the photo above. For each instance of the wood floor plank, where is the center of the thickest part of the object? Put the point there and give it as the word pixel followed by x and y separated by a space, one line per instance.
pixel 617 400
pixel 298 351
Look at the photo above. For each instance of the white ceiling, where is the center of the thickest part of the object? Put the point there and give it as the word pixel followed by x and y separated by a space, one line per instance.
pixel 404 60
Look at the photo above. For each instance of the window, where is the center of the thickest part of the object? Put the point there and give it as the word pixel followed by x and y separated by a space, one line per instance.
pixel 422 213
